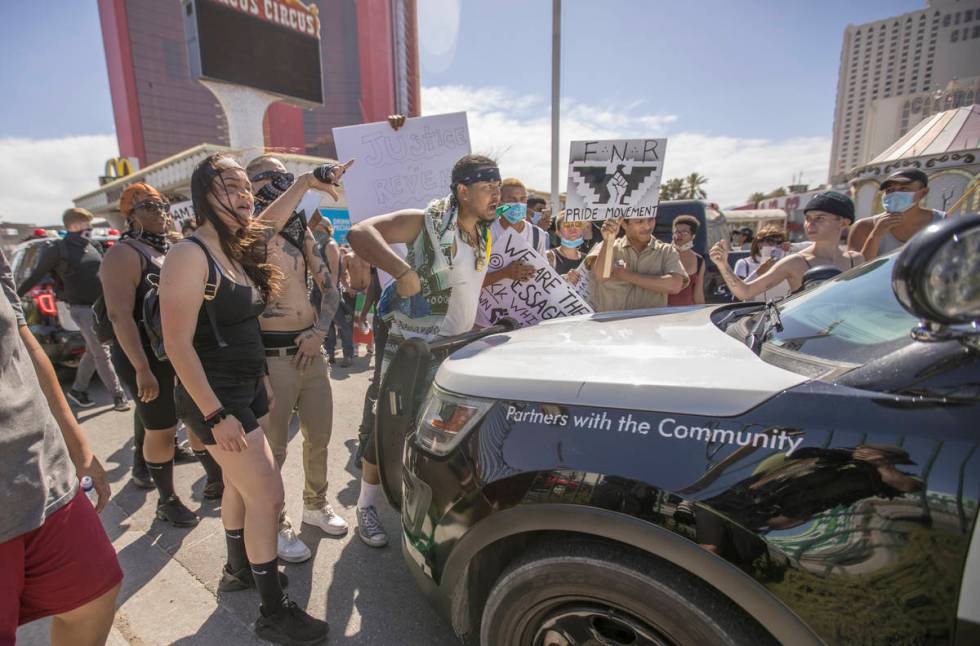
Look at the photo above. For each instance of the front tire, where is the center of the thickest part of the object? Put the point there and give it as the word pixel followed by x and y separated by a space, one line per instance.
pixel 577 593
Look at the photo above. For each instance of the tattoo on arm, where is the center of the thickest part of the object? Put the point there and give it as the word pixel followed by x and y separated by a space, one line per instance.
pixel 329 294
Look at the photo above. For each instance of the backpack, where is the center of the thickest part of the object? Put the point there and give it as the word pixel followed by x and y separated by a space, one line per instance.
pixel 151 321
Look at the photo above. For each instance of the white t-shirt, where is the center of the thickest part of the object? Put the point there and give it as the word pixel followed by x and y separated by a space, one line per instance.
pixel 466 282
pixel 497 230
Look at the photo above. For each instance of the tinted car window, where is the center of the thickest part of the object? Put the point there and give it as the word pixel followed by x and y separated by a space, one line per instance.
pixel 853 318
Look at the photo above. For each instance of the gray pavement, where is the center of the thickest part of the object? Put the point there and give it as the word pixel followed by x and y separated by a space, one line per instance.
pixel 169 594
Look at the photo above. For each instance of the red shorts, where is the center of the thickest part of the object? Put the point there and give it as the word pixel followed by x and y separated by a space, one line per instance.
pixel 62 565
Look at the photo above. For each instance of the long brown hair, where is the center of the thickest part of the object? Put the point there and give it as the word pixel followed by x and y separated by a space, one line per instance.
pixel 247 245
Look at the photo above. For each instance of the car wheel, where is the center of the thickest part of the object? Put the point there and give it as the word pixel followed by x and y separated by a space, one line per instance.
pixel 572 593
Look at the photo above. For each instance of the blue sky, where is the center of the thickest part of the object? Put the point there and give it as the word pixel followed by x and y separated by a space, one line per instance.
pixel 744 90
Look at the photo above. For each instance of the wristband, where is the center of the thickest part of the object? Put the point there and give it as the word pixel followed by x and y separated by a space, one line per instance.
pixel 215 418
pixel 403 274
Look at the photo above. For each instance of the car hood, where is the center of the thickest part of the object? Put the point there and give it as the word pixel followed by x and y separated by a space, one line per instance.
pixel 668 360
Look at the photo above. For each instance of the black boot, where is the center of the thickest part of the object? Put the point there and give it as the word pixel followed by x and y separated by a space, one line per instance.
pixel 288 624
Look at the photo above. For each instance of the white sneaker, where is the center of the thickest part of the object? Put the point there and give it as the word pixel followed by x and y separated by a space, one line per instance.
pixel 326 520
pixel 290 548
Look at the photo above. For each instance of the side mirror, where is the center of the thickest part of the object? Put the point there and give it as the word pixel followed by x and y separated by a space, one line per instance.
pixel 936 278
pixel 817 275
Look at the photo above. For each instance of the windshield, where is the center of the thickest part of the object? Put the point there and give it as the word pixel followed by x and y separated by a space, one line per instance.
pixel 853 318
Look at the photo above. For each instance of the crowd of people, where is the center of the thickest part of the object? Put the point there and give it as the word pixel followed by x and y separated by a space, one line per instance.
pixel 230 330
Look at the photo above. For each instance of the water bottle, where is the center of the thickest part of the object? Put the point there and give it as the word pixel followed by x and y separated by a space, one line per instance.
pixel 88 486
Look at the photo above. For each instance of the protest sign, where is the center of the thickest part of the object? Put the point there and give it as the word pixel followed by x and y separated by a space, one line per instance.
pixel 400 169
pixel 340 219
pixel 182 213
pixel 543 296
pixel 614 178
pixel 583 286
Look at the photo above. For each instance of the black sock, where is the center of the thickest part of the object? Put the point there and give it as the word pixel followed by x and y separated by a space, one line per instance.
pixel 266 577
pixel 163 477
pixel 139 433
pixel 237 559
pixel 211 467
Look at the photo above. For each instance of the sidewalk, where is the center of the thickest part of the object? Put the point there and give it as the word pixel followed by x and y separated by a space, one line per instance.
pixel 169 594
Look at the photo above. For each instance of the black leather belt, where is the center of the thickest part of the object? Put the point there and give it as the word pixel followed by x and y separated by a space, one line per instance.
pixel 282 352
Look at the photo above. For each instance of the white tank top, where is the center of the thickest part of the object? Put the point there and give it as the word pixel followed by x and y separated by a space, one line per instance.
pixel 466 284
pixel 890 243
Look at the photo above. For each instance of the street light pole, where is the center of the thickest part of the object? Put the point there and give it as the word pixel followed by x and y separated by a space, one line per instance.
pixel 555 99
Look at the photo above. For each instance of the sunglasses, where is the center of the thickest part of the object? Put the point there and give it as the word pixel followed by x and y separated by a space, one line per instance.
pixel 153 206
pixel 774 240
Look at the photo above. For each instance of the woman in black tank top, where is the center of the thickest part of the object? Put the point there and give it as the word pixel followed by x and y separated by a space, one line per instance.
pixel 129 269
pixel 211 332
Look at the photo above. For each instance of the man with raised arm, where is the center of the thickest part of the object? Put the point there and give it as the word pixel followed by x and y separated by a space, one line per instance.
pixel 437 286
pixel 293 334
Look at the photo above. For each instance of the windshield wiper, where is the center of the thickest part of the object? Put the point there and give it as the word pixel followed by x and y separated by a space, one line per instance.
pixel 767 323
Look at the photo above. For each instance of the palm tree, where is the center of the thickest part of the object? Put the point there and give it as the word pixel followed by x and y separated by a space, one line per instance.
pixel 757 197
pixel 692 186
pixel 672 189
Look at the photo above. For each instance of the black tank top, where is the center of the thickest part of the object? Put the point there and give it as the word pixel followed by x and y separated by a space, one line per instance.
pixel 149 276
pixel 564 265
pixel 236 308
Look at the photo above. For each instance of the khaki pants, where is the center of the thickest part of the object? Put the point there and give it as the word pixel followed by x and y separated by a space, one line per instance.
pixel 309 393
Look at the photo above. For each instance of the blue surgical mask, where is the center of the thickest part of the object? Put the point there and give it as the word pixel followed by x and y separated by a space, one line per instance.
pixel 572 244
pixel 535 217
pixel 513 211
pixel 898 202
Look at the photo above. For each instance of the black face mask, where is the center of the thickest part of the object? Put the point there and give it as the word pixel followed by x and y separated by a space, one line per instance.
pixel 268 193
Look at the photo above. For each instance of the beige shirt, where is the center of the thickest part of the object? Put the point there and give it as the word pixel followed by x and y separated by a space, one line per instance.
pixel 656 259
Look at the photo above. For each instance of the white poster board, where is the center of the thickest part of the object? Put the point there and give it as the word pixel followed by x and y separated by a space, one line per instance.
pixel 403 169
pixel 182 213
pixel 543 296
pixel 614 178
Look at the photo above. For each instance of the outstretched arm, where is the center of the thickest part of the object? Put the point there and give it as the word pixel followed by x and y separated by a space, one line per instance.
pixel 274 217
pixel 745 290
pixel 371 239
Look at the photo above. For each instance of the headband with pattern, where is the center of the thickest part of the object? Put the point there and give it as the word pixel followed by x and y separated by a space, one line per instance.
pixel 488 174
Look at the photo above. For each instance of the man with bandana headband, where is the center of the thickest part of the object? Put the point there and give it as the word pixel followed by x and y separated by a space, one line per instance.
pixel 74 262
pixel 293 333
pixel 437 286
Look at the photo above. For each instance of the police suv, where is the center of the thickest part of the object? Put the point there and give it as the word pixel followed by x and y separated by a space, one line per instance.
pixel 799 473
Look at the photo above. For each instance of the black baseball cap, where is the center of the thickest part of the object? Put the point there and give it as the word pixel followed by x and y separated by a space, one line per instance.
pixel 831 202
pixel 906 176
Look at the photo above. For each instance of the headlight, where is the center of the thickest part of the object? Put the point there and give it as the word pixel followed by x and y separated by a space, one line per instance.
pixel 952 284
pixel 446 418
pixel 937 276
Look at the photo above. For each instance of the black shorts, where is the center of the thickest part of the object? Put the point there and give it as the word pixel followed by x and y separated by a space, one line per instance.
pixel 246 399
pixel 159 414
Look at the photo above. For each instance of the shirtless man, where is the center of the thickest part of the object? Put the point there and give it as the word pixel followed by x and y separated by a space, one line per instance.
pixel 827 216
pixel 293 335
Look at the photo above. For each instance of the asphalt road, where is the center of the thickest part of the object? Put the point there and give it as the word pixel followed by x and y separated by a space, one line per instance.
pixel 169 594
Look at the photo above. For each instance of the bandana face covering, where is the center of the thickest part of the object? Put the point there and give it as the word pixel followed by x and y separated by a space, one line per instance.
pixel 156 240
pixel 685 246
pixel 268 193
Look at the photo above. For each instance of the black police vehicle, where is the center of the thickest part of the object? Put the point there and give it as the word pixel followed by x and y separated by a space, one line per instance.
pixel 737 474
